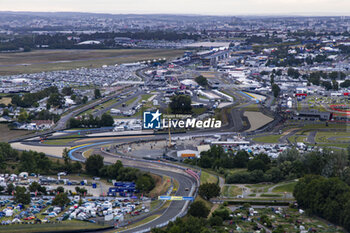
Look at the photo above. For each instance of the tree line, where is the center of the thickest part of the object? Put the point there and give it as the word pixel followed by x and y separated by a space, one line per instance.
pixel 328 198
pixel 12 160
pixel 31 99
pixel 290 164
pixel 94 166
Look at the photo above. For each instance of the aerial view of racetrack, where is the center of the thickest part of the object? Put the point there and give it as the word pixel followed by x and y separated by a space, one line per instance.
pixel 173 123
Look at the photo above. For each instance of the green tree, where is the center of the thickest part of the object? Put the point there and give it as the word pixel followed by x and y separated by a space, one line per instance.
pixel 189 224
pixel 335 85
pixel 61 199
pixel 145 183
pixel 42 190
pixel 327 85
pixel 5 112
pixel 66 157
pixel 85 99
pixel 74 123
pixel 23 116
pixel 241 159
pixel 93 164
pixel 34 186
pixel 60 189
pixel 32 161
pixel 215 221
pixel 81 191
pixel 293 73
pixel 256 164
pixel 222 212
pixel 10 188
pixel 201 80
pixel 209 190
pixel 97 93
pixel 77 167
pixel 56 100
pixel 325 197
pixel 67 91
pixel 22 196
pixel 275 90
pixel 272 79
pixel 180 104
pixel 345 84
pixel 112 171
pixel 106 120
pixel 279 229
pixel 7 153
pixel 198 209
pixel 264 219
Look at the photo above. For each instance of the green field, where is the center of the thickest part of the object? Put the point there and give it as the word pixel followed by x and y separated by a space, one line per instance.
pixel 49 60
pixel 259 188
pixel 323 126
pixel 323 137
pixel 59 141
pixel 231 191
pixel 199 111
pixel 146 96
pixel 344 139
pixel 225 92
pixel 130 101
pixel 289 188
pixel 268 139
pixel 208 178
pixel 297 138
pixel 328 145
pixel 252 108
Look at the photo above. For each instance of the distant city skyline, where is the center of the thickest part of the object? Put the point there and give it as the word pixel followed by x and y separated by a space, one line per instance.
pixel 202 7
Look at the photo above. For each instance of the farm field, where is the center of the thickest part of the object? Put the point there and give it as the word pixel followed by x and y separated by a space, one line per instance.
pixel 268 139
pixel 50 60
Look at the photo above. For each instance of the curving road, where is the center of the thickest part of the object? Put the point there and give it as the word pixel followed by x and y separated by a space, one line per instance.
pixel 176 208
pixel 185 181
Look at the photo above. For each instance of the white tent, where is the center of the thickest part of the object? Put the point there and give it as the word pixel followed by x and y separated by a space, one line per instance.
pixel 8 212
pixel 16 220
pixel 23 174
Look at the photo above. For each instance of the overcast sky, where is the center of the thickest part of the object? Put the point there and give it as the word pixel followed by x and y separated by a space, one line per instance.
pixel 212 7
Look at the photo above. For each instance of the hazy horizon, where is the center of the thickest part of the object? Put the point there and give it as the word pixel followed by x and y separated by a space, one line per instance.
pixel 183 7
